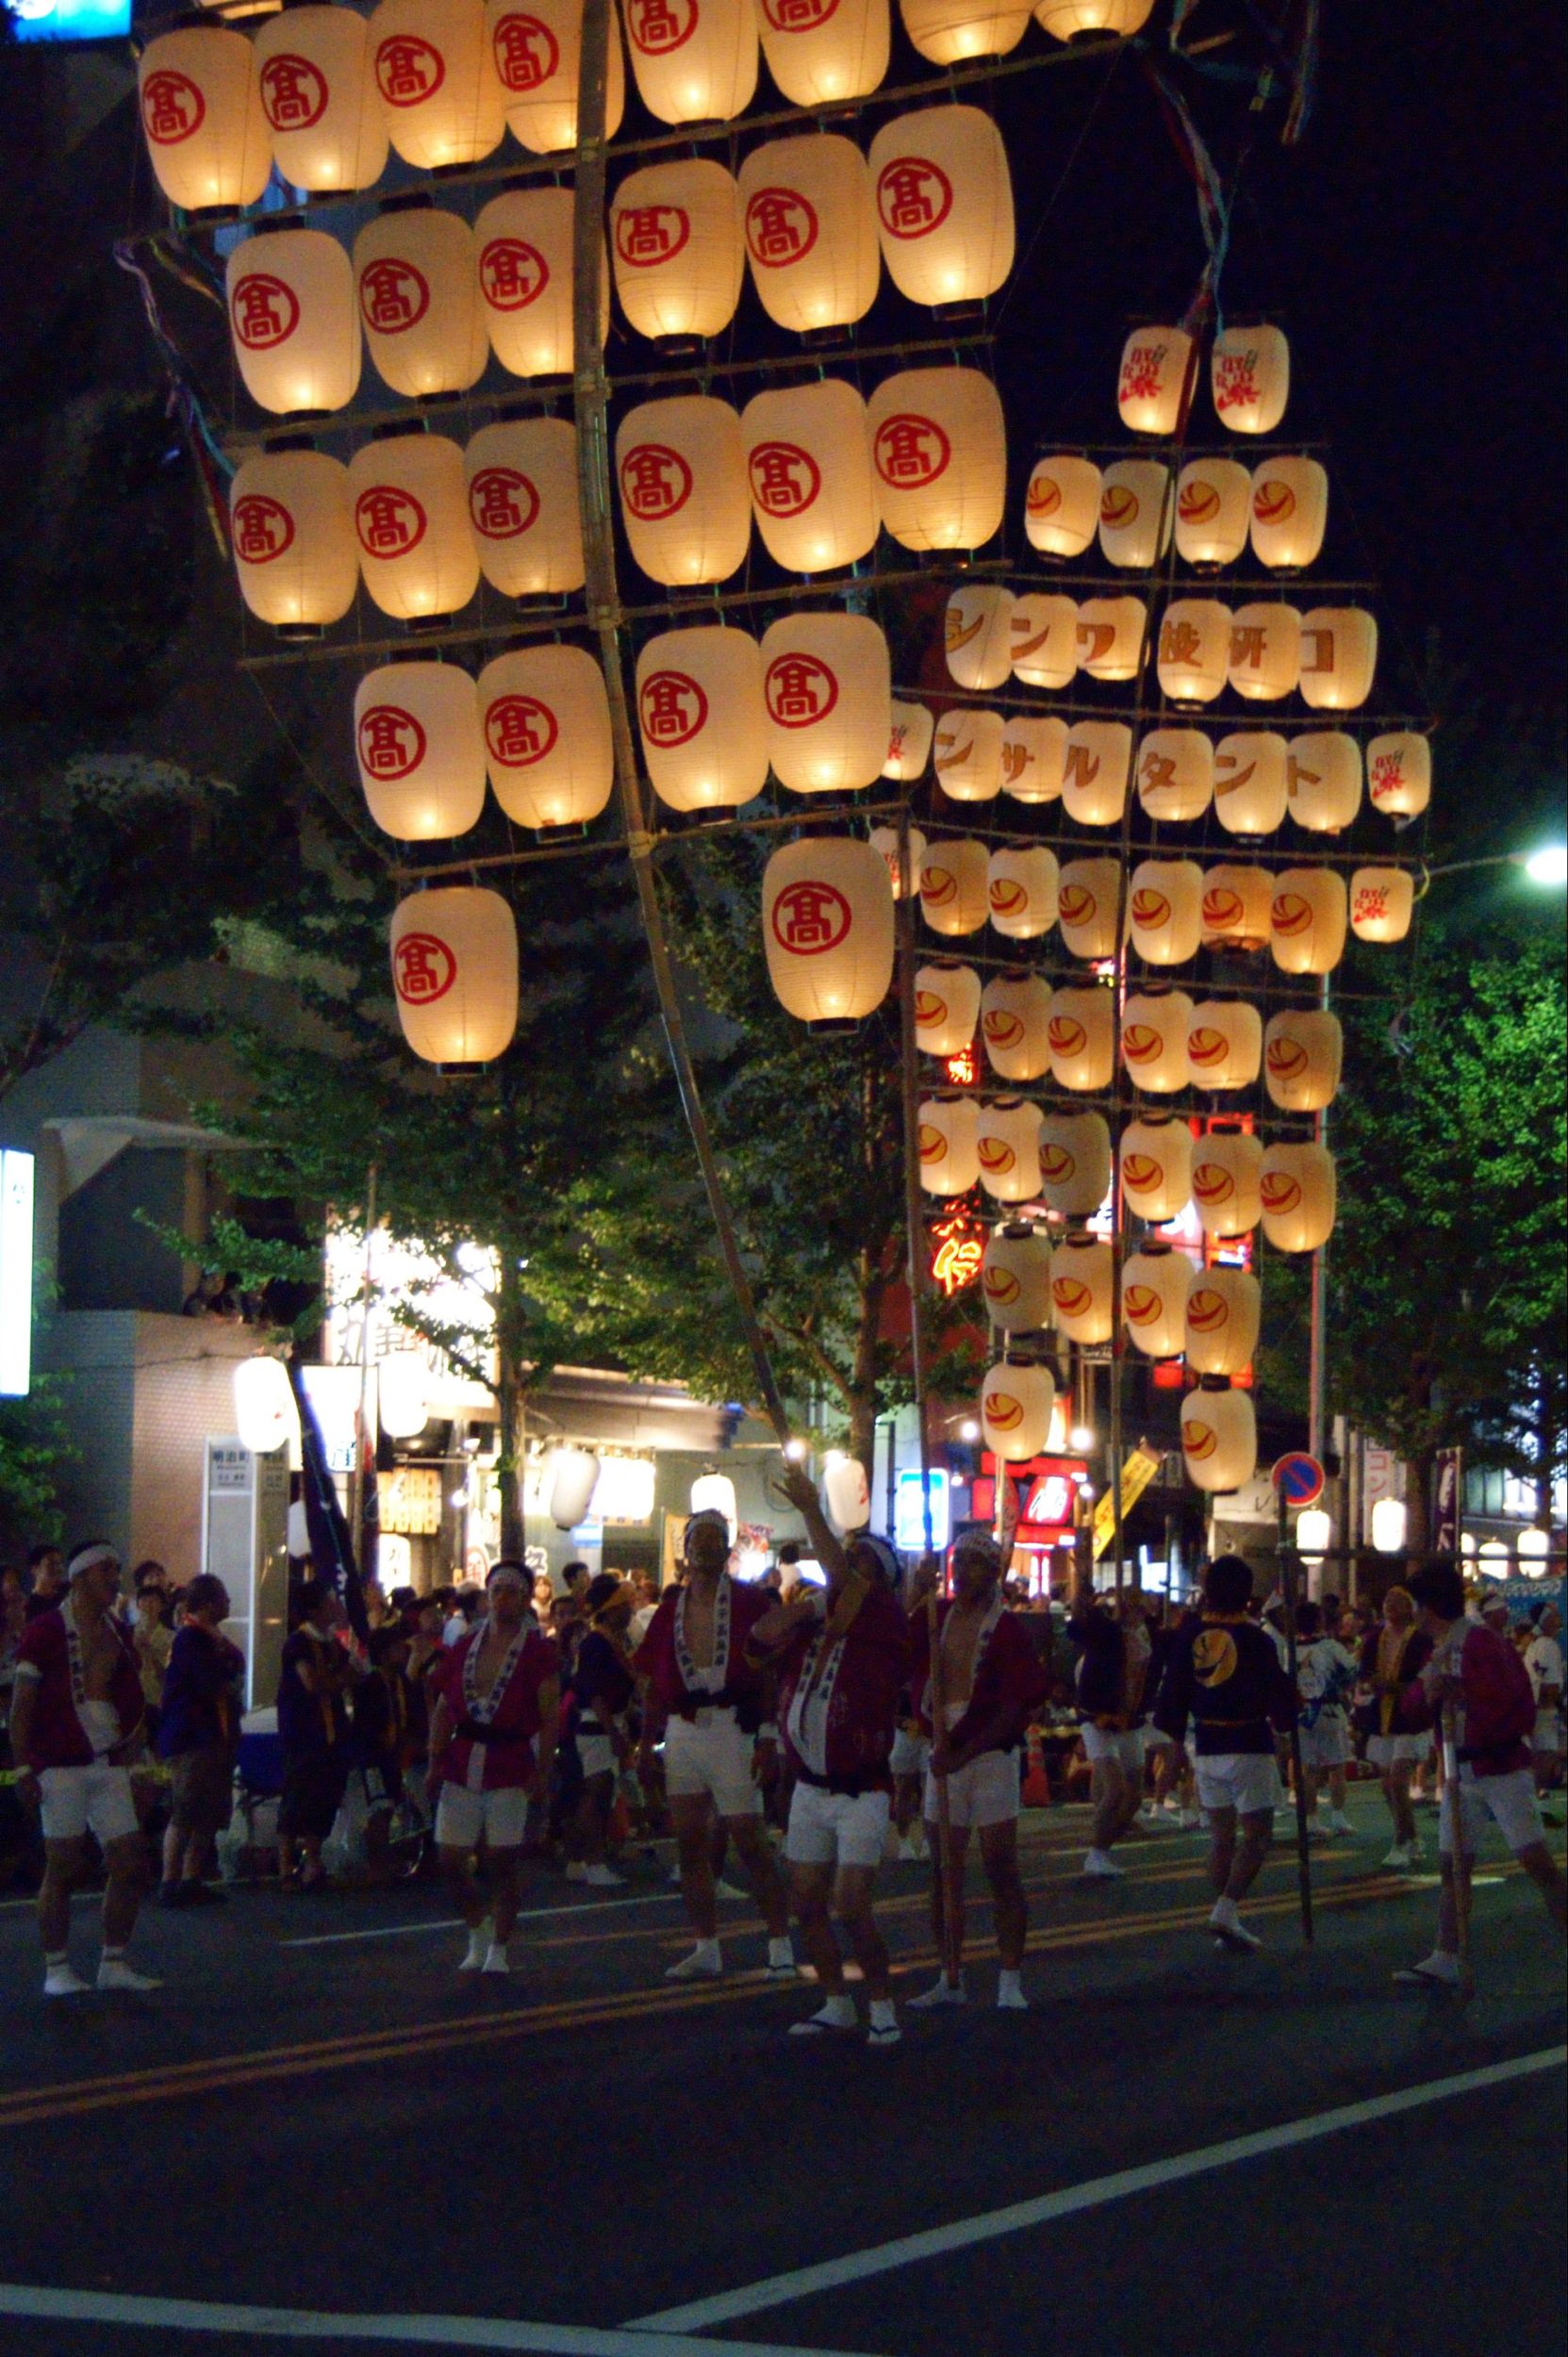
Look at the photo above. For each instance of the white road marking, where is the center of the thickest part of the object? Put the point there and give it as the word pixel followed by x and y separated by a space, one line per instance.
pixel 773 2291
pixel 411 2331
pixel 455 1923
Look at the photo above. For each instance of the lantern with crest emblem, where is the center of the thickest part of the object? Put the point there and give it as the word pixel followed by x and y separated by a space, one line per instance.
pixel 1309 919
pixel 1155 1157
pixel 199 94
pixel 1155 1285
pixel 523 247
pixel 1062 505
pixel 1015 1015
pixel 1303 1049
pixel 1017 1400
pixel 1135 513
pixel 947 1007
pixel 1088 906
pixel 417 277
pixel 1006 1145
pixel 1166 910
pixel 681 467
pixel 420 750
pixel 827 700
pixel 699 713
pixel 809 467
pixel 1290 513
pixel 291 528
pixel 678 253
pixel 436 71
pixel 1014 1278
pixel 454 975
pixel 822 51
pixel 1213 499
pixel 318 92
pixel 1228 1168
pixel 939 448
pixel 947 32
pixel 1021 886
pixel 946 1126
pixel 827 924
pixel 944 199
pixel 292 321
pixel 1295 1188
pixel 1154 1028
pixel 1082 1039
pixel 1075 1163
pixel 547 735
pixel 1224 1312
pixel 521 476
pixel 1225 1044
pixel 811 227
pixel 955 886
pixel 693 60
pixel 1219 1437
pixel 1238 904
pixel 1081 1290
pixel 416 556
pixel 536 46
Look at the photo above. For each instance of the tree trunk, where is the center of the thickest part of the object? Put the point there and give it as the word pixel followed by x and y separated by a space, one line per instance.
pixel 1418 1519
pixel 512 1399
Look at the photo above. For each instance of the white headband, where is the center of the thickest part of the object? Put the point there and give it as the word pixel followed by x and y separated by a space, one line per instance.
pixel 88 1559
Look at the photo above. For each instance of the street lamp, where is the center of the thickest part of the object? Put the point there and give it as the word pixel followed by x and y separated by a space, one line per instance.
pixel 1547 865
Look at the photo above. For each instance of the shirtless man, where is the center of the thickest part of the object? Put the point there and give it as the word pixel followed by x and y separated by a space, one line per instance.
pixel 76 1723
pixel 707 1702
pixel 492 1738
pixel 991 1680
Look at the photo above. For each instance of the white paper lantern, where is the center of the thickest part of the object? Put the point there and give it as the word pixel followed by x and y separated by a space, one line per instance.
pixel 1155 1156
pixel 1081 1038
pixel 1021 885
pixel 1033 757
pixel 946 1131
pixel 809 220
pixel 1175 775
pixel 977 633
pixel 1389 1526
pixel 1017 1400
pixel 523 243
pixel 1042 640
pixel 1015 1276
pixel 947 1008
pixel 291 527
pixel 1166 910
pixel 819 51
pixel 417 555
pixel 889 841
pixel 1251 781
pixel 715 1494
pixel 678 256
pixel 1062 505
pixel 1224 1312
pixel 950 31
pixel 1155 1024
pixel 1213 502
pixel 909 742
pixel 955 886
pixel 846 1491
pixel 1194 648
pixel 1265 651
pixel 944 198
pixel 1088 906
pixel 694 60
pixel 574 1478
pixel 1249 373
pixel 1015 1012
pixel 1081 1283
pixel 265 1416
pixel 1219 1439
pixel 1303 1051
pixel 536 46
pixel 1155 1284
pixel 826 686
pixel 1310 918
pixel 808 461
pixel 1225 1044
pixel 681 467
pixel 436 71
pixel 966 754
pixel 1111 634
pixel 700 714
pixel 417 274
pixel 827 927
pixel 1381 902
pixel 1151 388
pixel 1323 780
pixel 1075 1163
pixel 1137 513
pixel 1094 771
pixel 402 1395
pixel 1399 773
pixel 522 504
pixel 1078 19
pixel 940 451
pixel 1227 1169
pixel 1290 513
pixel 1297 1190
pixel 1338 656
pixel 547 734
pixel 200 99
pixel 455 974
pixel 420 750
pixel 1006 1139
pixel 1238 908
pixel 319 95
pixel 293 324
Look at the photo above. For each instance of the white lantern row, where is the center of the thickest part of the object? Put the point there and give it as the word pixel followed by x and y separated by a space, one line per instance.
pixel 536 721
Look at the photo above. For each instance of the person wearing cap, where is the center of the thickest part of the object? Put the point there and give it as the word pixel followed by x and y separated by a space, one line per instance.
pixel 76 1724
pixel 1475 1679
pixel 1393 1654
pixel 841 1656
pixel 493 1741
pixel 991 1679
pixel 705 1696
pixel 603 1689
pixel 1226 1680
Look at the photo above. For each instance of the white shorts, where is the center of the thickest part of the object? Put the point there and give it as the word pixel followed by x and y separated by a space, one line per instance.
pixel 985 1792
pixel 1125 1745
pixel 1509 1802
pixel 850 1828
pixel 596 1754
pixel 1248 1782
pixel 1548 1732
pixel 1155 1740
pixel 911 1753
pixel 1397 1751
pixel 1325 1744
pixel 709 1755
pixel 73 1800
pixel 464 1818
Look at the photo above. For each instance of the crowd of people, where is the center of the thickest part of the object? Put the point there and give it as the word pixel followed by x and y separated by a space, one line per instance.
pixel 794 1732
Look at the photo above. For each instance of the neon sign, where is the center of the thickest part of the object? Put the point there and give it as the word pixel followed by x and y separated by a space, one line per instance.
pixel 959 1250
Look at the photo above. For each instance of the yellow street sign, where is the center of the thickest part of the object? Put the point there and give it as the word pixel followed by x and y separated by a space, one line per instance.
pixel 1138 1471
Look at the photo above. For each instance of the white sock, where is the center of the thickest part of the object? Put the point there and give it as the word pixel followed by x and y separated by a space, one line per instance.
pixel 1010 1984
pixel 779 1952
pixel 884 2015
pixel 839 2011
pixel 1224 1911
pixel 113 1955
pixel 1440 1965
pixel 709 1951
pixel 479 1939
pixel 55 1957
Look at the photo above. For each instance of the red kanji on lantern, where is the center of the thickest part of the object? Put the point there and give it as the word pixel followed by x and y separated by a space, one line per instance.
pixel 810 917
pixel 263 528
pixel 799 689
pixel 647 233
pixel 656 482
pixel 393 295
pixel 389 521
pixel 172 109
pixel 784 478
pixel 527 52
pixel 502 502
pixel 520 730
pixel 423 969
pixel 673 708
pixel 910 451
pixel 797 16
pixel 409 69
pixel 512 274
pixel 657 26
pixel 914 196
pixel 264 311
pixel 293 92
pixel 781 226
pixel 391 741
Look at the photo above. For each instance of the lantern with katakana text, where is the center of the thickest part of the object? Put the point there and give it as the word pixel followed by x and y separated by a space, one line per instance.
pixel 1014 1278
pixel 681 467
pixel 1251 781
pixel 1290 512
pixel 1156 362
pixel 1110 633
pixel 1135 513
pixel 940 451
pixel 1399 773
pixel 1194 648
pixel 1081 1289
pixel 1382 899
pixel 208 138
pixel 827 927
pixel 417 276
pixel 293 324
pixel 1309 920
pixel 1225 1044
pixel 319 94
pixel 820 51
pixel 291 527
pixel 809 222
pixel 436 71
pixel 522 504
pixel 1062 505
pixel 809 467
pixel 1016 1403
pixel 827 698
pixel 1034 754
pixel 536 45
pixel 1014 1012
pixel 1082 1039
pixel 547 734
pixel 950 31
pixel 694 60
pixel 947 1007
pixel 1005 1144
pixel 1076 20
pixel 1175 774
pixel 1155 1284
pixel 1303 1050
pixel 1075 1163
pixel 421 750
pixel 1228 1168
pixel 1155 1154
pixel 1237 908
pixel 1021 885
pixel 1042 640
pixel 676 242
pixel 523 243
pixel 1339 656
pixel 1154 1028
pixel 1088 906
pixel 699 712
pixel 908 742
pixel 1265 651
pixel 1249 375
pixel 1219 1437
pixel 945 1129
pixel 1164 910
pixel 966 753
pixel 1213 499
pixel 1095 770
pixel 977 633
pixel 944 198
pixel 1296 1190
pixel 954 885
pixel 455 974
pixel 1224 1312
pixel 416 556
pixel 889 841
pixel 1323 780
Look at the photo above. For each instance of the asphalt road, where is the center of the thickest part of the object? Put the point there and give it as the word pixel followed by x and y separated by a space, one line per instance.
pixel 317 2115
